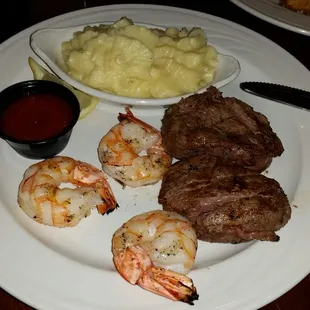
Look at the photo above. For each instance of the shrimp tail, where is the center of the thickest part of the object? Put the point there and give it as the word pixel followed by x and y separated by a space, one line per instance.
pixel 89 174
pixel 179 286
pixel 127 115
pixel 109 202
pixel 136 267
pixel 130 117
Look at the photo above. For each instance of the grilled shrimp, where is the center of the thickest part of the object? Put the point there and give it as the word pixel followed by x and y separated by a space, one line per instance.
pixel 155 250
pixel 42 199
pixel 119 152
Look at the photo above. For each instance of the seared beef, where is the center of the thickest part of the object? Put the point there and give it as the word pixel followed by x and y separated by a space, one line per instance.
pixel 227 128
pixel 227 204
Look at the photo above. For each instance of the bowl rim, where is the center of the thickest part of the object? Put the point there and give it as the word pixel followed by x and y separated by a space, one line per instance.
pixel 110 97
pixel 73 102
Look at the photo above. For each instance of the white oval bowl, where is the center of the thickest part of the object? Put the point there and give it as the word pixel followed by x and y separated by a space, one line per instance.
pixel 46 44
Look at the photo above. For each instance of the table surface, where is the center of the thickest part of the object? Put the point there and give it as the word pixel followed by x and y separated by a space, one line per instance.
pixel 29 12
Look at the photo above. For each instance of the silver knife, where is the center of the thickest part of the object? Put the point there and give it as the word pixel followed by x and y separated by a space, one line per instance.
pixel 284 94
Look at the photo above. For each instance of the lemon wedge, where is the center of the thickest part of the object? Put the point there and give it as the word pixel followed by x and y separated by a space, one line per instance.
pixel 87 102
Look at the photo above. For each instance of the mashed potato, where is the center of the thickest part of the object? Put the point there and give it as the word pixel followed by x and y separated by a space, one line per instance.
pixel 135 61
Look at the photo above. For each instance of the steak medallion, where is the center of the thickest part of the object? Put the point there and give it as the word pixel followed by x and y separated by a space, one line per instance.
pixel 225 203
pixel 226 128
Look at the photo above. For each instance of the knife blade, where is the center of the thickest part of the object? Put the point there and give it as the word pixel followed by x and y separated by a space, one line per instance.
pixel 284 94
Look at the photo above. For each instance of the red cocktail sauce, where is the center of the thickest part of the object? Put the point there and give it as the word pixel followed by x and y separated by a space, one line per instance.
pixel 36 117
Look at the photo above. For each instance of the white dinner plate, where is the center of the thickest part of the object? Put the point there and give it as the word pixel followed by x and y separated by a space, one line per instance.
pixel 271 12
pixel 72 269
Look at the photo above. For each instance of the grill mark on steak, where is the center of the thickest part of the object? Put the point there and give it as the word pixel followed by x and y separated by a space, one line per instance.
pixel 223 127
pixel 228 204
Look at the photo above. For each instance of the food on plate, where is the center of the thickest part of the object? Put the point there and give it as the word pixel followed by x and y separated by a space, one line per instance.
pixel 41 198
pixel 37 116
pixel 302 6
pixel 120 150
pixel 227 128
pixel 133 60
pixel 225 203
pixel 155 250
pixel 87 102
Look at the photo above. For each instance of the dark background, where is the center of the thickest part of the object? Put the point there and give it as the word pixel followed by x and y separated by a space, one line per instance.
pixel 23 14
pixel 18 15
